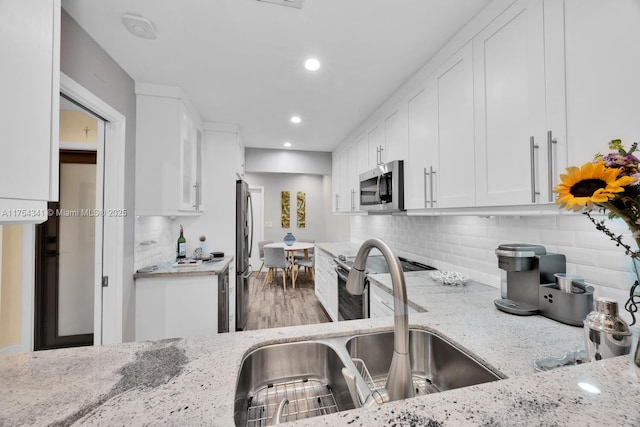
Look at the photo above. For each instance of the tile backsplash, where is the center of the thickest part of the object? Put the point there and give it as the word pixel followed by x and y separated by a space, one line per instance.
pixel 154 241
pixel 467 244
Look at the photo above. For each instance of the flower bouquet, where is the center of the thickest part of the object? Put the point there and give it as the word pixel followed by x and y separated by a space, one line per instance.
pixel 611 184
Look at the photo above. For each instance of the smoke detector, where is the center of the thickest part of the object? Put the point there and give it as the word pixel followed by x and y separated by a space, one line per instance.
pixel 139 26
pixel 291 3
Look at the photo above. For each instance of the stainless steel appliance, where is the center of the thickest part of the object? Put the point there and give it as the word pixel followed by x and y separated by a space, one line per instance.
pixel 382 188
pixel 530 286
pixel 352 307
pixel 244 242
pixel 223 301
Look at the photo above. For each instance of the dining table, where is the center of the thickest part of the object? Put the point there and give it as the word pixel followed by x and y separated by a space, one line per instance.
pixel 290 250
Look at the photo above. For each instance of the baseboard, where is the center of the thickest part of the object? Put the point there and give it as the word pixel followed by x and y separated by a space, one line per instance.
pixel 13 348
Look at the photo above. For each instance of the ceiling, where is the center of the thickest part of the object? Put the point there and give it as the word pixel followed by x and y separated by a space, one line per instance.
pixel 241 61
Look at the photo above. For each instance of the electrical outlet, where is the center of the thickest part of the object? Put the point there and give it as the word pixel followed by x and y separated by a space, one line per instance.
pixel 268 224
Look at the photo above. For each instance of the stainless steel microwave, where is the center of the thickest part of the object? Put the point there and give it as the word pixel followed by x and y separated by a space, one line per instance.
pixel 382 188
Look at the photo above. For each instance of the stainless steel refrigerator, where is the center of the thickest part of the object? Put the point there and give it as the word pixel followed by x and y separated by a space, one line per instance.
pixel 244 243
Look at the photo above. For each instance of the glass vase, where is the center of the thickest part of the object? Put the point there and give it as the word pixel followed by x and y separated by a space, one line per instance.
pixel 289 239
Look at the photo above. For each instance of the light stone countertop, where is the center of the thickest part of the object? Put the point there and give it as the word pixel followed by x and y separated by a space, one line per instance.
pixel 212 267
pixel 191 381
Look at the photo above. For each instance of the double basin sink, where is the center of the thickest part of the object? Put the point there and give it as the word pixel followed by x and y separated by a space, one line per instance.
pixel 298 380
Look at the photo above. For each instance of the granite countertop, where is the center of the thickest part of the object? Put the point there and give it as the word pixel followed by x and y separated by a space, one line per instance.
pixel 339 248
pixel 191 381
pixel 168 269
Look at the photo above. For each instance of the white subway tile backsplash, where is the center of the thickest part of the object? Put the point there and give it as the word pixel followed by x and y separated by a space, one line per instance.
pixel 558 237
pixel 154 241
pixel 467 244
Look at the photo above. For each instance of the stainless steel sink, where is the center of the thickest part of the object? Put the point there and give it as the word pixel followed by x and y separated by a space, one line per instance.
pixel 436 364
pixel 307 374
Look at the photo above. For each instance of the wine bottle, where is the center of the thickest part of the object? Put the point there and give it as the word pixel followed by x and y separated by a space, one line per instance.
pixel 182 245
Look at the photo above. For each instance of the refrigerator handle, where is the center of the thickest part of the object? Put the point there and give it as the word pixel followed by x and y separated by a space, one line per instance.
pixel 251 210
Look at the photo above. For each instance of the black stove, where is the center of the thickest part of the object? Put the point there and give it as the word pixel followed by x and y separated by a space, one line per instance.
pixel 357 306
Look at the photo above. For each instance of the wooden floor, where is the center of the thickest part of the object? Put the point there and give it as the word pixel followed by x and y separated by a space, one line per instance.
pixel 272 307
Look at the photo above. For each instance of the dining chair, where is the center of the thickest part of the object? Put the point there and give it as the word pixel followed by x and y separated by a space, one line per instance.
pixel 261 252
pixel 274 259
pixel 309 265
pixel 309 251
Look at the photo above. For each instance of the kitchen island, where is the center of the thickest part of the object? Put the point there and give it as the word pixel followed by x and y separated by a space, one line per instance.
pixel 191 381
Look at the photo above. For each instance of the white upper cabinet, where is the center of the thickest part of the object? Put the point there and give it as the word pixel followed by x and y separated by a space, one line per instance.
pixel 168 153
pixel 439 167
pixel 345 179
pixel 602 40
pixel 527 88
pixel 422 151
pixel 454 174
pixel 509 62
pixel 395 135
pixel 376 146
pixel 29 110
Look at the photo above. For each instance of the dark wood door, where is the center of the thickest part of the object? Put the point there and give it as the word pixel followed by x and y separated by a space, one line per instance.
pixel 47 295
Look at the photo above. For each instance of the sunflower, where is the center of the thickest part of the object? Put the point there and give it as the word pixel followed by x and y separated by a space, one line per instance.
pixel 589 184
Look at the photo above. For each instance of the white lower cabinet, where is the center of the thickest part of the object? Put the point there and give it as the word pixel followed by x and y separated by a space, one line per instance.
pixel 171 307
pixel 326 283
pixel 381 303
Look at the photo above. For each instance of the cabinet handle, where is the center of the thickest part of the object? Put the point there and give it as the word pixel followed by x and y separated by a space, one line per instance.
pixel 550 142
pixel 532 149
pixel 337 207
pixel 425 186
pixel 377 155
pixel 381 150
pixel 197 187
pixel 432 174
pixel 353 199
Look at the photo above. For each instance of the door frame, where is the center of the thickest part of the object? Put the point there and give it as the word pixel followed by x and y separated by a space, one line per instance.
pixel 108 313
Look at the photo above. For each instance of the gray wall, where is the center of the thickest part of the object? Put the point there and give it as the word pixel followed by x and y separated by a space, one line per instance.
pixel 320 224
pixel 259 160
pixel 83 60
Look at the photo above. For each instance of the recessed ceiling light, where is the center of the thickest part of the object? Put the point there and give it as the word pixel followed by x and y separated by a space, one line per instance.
pixel 287 144
pixel 312 64
pixel 295 119
pixel 139 26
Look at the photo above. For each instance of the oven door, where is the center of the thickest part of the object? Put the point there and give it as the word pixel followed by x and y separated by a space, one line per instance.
pixel 351 307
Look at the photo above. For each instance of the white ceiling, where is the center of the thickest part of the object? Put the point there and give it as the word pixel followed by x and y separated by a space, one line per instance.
pixel 241 61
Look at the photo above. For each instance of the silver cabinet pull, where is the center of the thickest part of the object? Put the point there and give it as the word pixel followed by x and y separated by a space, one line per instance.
pixel 550 142
pixel 532 149
pixel 381 150
pixel 432 175
pixel 353 198
pixel 197 198
pixel 425 186
pixel 337 207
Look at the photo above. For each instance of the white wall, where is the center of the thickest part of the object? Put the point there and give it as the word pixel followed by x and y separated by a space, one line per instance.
pixel 258 160
pixel 88 64
pixel 467 243
pixel 319 218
